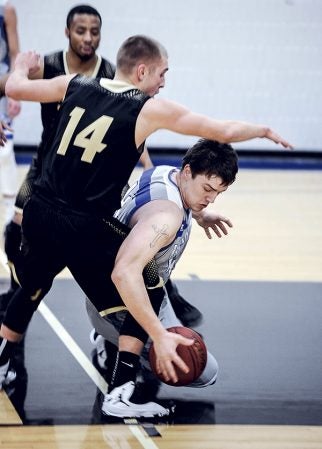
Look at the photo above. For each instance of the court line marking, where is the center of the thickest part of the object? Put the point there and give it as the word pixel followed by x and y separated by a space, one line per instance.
pixel 66 338
pixel 81 358
pixel 143 438
pixel 73 347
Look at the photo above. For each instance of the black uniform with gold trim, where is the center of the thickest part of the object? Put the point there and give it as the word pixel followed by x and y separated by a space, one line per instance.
pixel 93 152
pixel 55 64
pixel 82 176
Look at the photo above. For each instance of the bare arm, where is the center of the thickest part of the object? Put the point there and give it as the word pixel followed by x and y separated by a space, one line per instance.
pixel 164 114
pixel 10 19
pixel 10 23
pixel 20 87
pixel 145 159
pixel 3 80
pixel 155 226
pixel 36 74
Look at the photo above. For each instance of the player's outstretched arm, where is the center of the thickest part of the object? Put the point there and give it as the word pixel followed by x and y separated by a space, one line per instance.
pixel 164 114
pixel 20 87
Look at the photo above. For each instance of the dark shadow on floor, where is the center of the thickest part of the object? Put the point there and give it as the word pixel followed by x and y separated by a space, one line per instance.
pixel 266 337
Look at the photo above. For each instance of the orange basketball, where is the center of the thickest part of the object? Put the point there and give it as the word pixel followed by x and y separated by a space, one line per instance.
pixel 195 357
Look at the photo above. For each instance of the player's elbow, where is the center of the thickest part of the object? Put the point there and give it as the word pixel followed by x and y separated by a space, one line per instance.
pixel 17 88
pixel 116 276
pixel 119 274
pixel 12 90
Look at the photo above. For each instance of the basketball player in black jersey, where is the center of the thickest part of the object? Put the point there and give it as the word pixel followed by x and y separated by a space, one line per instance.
pixel 83 30
pixel 101 129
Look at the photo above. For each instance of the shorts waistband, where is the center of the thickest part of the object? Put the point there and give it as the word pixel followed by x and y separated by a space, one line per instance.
pixel 64 206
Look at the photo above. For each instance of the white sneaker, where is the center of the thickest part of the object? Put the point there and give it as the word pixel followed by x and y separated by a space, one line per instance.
pixel 6 376
pixel 117 403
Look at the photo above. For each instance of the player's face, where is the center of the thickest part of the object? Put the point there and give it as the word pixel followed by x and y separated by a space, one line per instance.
pixel 84 35
pixel 153 78
pixel 200 191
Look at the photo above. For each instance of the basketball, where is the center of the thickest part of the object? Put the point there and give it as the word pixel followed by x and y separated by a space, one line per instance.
pixel 195 357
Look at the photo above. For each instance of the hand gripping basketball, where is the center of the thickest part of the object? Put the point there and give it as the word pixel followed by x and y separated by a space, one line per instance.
pixel 195 357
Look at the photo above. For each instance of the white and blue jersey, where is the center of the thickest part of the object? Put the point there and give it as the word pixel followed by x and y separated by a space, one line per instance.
pixel 157 184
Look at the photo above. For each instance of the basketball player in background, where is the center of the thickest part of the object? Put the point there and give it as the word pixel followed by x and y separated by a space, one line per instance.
pixel 9 109
pixel 83 31
pixel 68 220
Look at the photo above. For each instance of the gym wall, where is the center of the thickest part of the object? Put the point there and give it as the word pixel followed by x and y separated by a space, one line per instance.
pixel 254 60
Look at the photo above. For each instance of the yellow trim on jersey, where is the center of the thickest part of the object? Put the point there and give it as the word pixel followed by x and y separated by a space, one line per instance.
pixel 66 70
pixel 36 295
pixel 159 284
pixel 14 275
pixel 95 70
pixel 116 86
pixel 112 310
pixel 13 272
pixel 97 66
pixel 18 210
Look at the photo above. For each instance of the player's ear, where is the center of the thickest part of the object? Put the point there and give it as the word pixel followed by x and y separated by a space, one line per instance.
pixel 67 33
pixel 187 171
pixel 141 71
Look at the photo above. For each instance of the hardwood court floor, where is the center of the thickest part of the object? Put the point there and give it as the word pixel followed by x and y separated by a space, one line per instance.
pixel 260 292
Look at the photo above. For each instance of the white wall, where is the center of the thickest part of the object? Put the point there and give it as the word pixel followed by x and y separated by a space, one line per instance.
pixel 256 60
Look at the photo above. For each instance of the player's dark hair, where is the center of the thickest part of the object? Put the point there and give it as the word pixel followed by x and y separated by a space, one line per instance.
pixel 138 49
pixel 210 157
pixel 82 9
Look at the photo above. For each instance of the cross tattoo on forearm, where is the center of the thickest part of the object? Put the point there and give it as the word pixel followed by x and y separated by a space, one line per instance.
pixel 159 234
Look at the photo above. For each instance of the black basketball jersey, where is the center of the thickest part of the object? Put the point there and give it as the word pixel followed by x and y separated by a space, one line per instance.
pixel 55 65
pixel 93 152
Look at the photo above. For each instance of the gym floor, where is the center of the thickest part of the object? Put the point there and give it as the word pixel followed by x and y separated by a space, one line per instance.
pixel 265 336
pixel 260 292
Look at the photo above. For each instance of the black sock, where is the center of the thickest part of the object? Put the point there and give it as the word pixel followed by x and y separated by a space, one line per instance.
pixel 125 370
pixel 6 350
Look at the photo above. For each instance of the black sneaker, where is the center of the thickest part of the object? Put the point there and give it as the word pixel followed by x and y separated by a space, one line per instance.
pixel 188 314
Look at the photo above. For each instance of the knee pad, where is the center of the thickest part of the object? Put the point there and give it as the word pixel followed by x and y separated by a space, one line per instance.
pixel 12 242
pixel 209 374
pixel 20 311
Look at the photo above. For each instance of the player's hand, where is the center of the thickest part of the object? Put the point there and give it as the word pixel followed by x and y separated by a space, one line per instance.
pixel 211 221
pixel 29 61
pixel 270 134
pixel 14 108
pixel 167 356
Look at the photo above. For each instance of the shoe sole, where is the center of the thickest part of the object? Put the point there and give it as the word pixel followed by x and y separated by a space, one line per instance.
pixel 141 415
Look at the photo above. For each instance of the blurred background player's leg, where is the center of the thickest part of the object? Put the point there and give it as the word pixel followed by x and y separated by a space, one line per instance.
pixel 188 314
pixel 12 234
pixel 8 186
pixel 8 178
